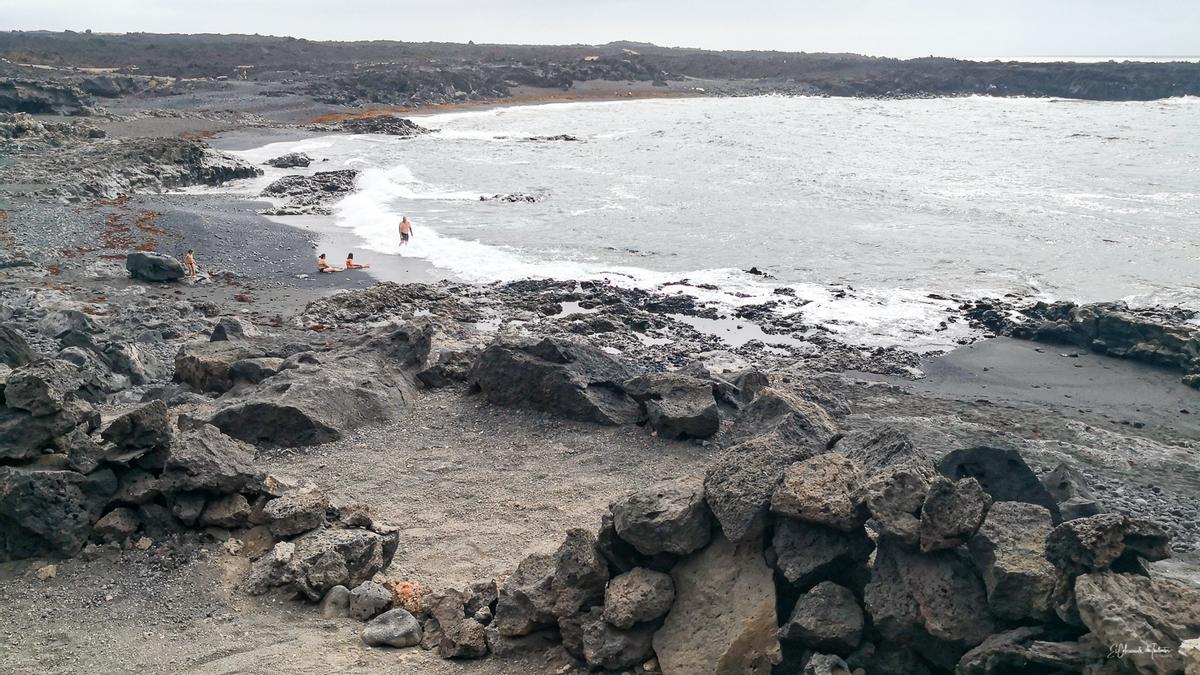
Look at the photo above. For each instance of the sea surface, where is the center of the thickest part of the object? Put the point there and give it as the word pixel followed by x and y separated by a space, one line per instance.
pixel 864 207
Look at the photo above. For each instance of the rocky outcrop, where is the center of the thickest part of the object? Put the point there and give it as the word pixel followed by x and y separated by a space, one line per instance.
pixel 572 379
pixel 40 97
pixel 677 406
pixel 723 619
pixel 1002 473
pixel 1009 551
pixel 795 420
pixel 14 349
pixel 290 160
pixel 389 125
pixel 1105 541
pixel 309 194
pixel 153 267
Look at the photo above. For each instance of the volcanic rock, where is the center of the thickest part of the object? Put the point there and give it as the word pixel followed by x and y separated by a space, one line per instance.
pixel 393 628
pixel 42 387
pixel 229 511
pixel 525 598
pixel 47 512
pixel 806 554
pixel 318 561
pixel 296 511
pixel 677 406
pixel 145 428
pixel 894 497
pixel 1069 488
pixel 1149 618
pixel 738 485
pixel 638 596
pixel 206 459
pixel 667 518
pixel 822 490
pixel 14 350
pixel 153 266
pixel 612 648
pixel 206 366
pixel 116 525
pixel 368 600
pixel 336 603
pixel 290 161
pixel 827 619
pixel 1002 473
pixel 1010 553
pixel 1104 541
pixel 952 512
pixel 231 329
pixel 796 420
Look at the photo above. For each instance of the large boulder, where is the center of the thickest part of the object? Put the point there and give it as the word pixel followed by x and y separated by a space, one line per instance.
pixel 1009 551
pixel 638 596
pixel 677 406
pixel 49 512
pixel 1104 541
pixel 952 512
pixel 580 574
pixel 723 619
pixel 26 436
pixel 933 601
pixel 1034 649
pixel 666 518
pixel 827 619
pixel 312 405
pixel 206 459
pixel 894 497
pixel 393 628
pixel 314 563
pixel 206 366
pixel 612 648
pixel 1145 619
pixel 14 350
pixel 739 484
pixel 822 490
pixel 43 387
pixel 795 419
pixel 144 428
pixel 1002 473
pixel 571 379
pixel 525 599
pixel 805 554
pixel 153 266
pixel 1069 488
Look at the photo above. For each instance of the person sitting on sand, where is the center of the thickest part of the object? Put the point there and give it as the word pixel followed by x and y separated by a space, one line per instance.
pixel 189 261
pixel 324 265
pixel 406 230
pixel 351 265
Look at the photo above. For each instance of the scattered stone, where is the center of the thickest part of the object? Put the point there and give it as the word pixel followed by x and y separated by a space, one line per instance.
pixel 952 512
pixel 336 603
pixel 827 619
pixel 822 490
pixel 368 600
pixel 153 266
pixel 1104 541
pixel 1010 553
pixel 667 518
pixel 393 628
pixel 723 619
pixel 638 596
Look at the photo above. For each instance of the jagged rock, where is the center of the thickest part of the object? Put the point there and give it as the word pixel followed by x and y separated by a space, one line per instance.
pixel 319 560
pixel 677 406
pixel 144 428
pixel 369 599
pixel 667 518
pixel 462 637
pixel 826 664
pixel 116 525
pixel 431 635
pixel 290 160
pixel 535 643
pixel 621 555
pixel 952 512
pixel 606 646
pixel 1002 473
pixel 393 628
pixel 296 512
pixel 14 350
pixel 232 329
pixel 524 602
pixel 153 266
pixel 60 321
pixel 253 371
pixel 827 619
pixel 822 490
pixel 310 194
pixel 1069 488
pixel 1106 540
pixel 206 459
pixel 407 343
pixel 806 554
pixel 452 365
pixel 571 379
pixel 881 450
pixel 47 512
pixel 796 420
pixel 637 596
pixel 186 506
pixel 723 619
pixel 1030 649
pixel 1010 553
pixel 580 574
pixel 313 405
pixel 480 595
pixel 932 601
pixel 894 497
pixel 739 484
pixel 1141 614
pixel 377 124
pixel 137 486
pixel 336 603
pixel 206 366
pixel 43 387
pixel 229 511
pixel 25 436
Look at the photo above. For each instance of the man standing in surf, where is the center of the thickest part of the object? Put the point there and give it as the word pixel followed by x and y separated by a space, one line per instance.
pixel 405 230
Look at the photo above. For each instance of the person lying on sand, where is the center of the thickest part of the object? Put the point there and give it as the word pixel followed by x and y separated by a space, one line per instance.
pixel 324 265
pixel 406 230
pixel 351 265
pixel 189 262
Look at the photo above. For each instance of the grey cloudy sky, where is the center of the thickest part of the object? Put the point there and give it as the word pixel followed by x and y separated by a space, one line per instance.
pixel 879 27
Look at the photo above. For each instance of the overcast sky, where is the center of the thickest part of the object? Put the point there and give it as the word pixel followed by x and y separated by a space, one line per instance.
pixel 877 27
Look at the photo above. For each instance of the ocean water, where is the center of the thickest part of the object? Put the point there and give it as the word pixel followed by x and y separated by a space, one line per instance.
pixel 864 207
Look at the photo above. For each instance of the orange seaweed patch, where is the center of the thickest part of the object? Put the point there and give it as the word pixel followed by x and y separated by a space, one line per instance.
pixel 3 216
pixel 119 201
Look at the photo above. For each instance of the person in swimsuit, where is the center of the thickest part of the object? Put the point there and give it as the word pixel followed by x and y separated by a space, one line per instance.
pixel 351 265
pixel 406 230
pixel 189 261
pixel 324 265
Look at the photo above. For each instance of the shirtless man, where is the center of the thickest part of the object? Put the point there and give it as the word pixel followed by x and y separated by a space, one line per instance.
pixel 324 266
pixel 351 265
pixel 189 261
pixel 406 230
